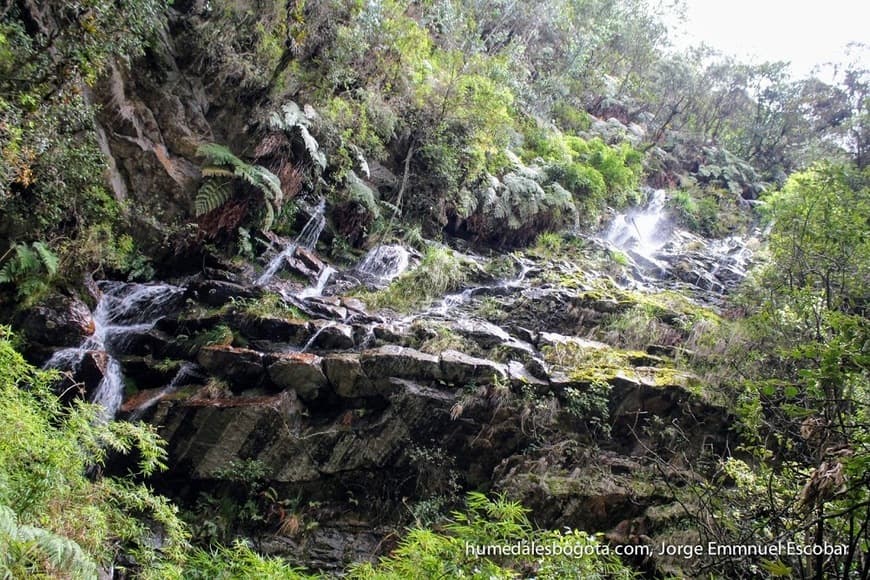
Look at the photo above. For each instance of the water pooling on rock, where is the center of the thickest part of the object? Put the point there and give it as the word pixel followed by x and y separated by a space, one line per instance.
pixel 124 310
pixel 307 238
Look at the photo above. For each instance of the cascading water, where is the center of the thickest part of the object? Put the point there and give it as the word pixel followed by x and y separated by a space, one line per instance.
pixel 383 263
pixel 322 281
pixel 314 336
pixel 187 370
pixel 307 238
pixel 123 310
pixel 643 231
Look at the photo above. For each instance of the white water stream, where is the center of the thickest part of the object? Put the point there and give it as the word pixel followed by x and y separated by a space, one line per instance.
pixel 384 263
pixel 123 310
pixel 307 238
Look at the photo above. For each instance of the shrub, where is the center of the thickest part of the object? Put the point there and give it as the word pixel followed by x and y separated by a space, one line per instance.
pixel 443 553
pixel 55 519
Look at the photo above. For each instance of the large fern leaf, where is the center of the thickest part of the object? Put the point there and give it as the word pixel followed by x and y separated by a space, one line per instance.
pixel 292 118
pixel 218 155
pixel 25 261
pixel 47 257
pixel 62 554
pixel 361 193
pixel 211 195
pixel 269 216
pixel 313 149
pixel 262 179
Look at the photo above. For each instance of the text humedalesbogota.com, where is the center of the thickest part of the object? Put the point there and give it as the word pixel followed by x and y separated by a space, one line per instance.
pixel 687 551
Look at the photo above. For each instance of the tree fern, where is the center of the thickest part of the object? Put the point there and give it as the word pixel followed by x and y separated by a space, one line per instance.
pixel 216 154
pixel 214 192
pixel 292 119
pixel 263 179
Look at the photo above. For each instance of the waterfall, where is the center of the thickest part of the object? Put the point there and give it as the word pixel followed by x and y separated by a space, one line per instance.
pixel 186 370
pixel 307 238
pixel 123 310
pixel 384 263
pixel 641 230
pixel 314 336
pixel 322 280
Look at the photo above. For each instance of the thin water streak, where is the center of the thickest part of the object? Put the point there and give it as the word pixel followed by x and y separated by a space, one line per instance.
pixel 307 238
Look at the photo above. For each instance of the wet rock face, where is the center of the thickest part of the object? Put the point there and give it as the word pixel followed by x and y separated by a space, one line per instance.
pixel 300 372
pixel 243 368
pixel 59 321
pixel 84 379
pixel 341 404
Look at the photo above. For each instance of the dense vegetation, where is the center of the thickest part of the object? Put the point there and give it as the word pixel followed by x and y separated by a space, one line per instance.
pixel 487 121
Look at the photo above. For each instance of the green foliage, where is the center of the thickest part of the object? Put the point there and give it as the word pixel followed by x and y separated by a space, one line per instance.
pixel 221 163
pixel 51 167
pixel 591 405
pixel 238 561
pixel 54 518
pixel 439 272
pixel 30 268
pixel 819 240
pixel 242 51
pixel 211 195
pixel 268 305
pixel 517 207
pixel 437 553
pixel 219 335
pixel 723 168
pixel 595 173
pixel 24 550
pixel 294 120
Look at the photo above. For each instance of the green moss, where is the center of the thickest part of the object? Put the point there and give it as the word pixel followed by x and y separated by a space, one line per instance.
pixel 219 335
pixel 269 305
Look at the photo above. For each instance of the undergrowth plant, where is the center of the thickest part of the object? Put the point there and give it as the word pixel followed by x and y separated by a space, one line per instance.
pixel 54 519
pixel 221 170
pixel 30 268
pixel 440 271
pixel 451 551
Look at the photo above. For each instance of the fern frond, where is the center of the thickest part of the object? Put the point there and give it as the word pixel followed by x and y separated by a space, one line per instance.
pixel 211 195
pixel 61 553
pixel 466 203
pixel 262 179
pixel 269 217
pixel 313 149
pixel 361 193
pixel 47 257
pixel 391 207
pixel 25 261
pixel 218 155
pixel 293 118
pixel 213 171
